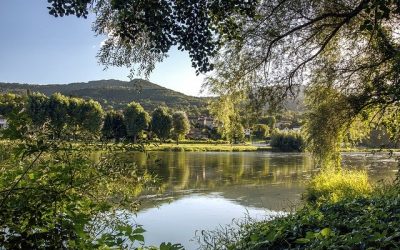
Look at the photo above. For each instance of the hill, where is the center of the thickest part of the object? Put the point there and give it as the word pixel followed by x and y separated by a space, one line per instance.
pixel 117 94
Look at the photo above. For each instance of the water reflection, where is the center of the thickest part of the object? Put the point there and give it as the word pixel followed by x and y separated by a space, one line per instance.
pixel 260 179
pixel 201 190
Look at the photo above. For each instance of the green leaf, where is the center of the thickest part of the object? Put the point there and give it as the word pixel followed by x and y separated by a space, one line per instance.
pixel 326 232
pixel 136 237
pixel 302 241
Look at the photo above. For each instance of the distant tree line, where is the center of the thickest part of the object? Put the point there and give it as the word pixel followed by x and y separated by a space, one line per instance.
pixel 76 118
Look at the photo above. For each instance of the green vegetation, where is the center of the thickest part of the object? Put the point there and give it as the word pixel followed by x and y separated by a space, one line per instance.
pixel 288 141
pixel 346 52
pixel 204 147
pixel 114 126
pixel 136 120
pixel 53 195
pixel 114 94
pixel 261 131
pixel 161 123
pixel 330 186
pixel 180 125
pixel 352 217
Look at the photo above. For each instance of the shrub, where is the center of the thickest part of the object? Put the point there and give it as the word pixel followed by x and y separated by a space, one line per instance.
pixel 333 185
pixel 260 131
pixel 351 223
pixel 288 141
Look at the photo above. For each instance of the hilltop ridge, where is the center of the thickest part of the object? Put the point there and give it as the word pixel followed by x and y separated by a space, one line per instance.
pixel 116 94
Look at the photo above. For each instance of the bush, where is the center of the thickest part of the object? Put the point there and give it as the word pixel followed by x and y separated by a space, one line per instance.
pixel 288 141
pixel 335 185
pixel 350 223
pixel 260 131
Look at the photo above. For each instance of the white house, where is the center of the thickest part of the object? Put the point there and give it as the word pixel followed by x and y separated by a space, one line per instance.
pixel 206 121
pixel 3 122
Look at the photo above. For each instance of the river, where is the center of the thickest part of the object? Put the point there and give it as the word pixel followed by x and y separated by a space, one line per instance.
pixel 205 190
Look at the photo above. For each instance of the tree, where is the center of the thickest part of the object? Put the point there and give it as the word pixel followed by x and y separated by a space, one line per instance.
pixel 268 48
pixel 236 132
pixel 180 124
pixel 270 121
pixel 261 131
pixel 136 120
pixel 350 47
pixel 161 123
pixel 114 126
pixel 38 108
pixel 11 103
pixel 58 113
pixel 12 107
pixel 143 31
pixel 287 141
pixel 92 116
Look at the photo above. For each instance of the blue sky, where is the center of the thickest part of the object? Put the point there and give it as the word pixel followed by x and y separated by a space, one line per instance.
pixel 38 48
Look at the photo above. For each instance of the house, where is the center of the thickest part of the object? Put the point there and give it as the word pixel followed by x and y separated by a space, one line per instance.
pixel 3 122
pixel 206 121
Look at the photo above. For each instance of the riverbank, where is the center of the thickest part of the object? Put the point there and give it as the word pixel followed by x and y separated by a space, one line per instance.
pixel 349 213
pixel 193 147
pixel 202 146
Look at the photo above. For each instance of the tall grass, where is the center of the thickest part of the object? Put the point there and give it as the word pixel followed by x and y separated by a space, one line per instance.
pixel 332 185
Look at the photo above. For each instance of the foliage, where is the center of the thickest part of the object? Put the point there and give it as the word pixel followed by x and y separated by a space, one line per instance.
pixel 331 185
pixel 231 113
pixel 58 111
pixel 270 121
pixel 354 222
pixel 115 94
pixel 12 108
pixel 333 122
pixel 37 108
pixel 114 126
pixel 180 125
pixel 53 196
pixel 288 141
pixel 11 104
pixel 161 123
pixel 63 115
pixel 136 120
pixel 92 114
pixel 347 51
pixel 141 32
pixel 205 147
pixel 261 131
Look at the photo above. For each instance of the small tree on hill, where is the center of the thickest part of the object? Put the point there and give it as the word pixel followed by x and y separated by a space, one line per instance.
pixel 136 120
pixel 161 123
pixel 180 124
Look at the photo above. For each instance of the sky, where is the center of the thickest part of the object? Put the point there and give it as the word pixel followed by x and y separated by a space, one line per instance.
pixel 38 48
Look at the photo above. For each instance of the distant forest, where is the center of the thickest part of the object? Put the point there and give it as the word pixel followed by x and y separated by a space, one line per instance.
pixel 115 94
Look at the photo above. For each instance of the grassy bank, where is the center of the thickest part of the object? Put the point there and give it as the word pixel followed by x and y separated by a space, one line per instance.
pixel 205 147
pixel 348 213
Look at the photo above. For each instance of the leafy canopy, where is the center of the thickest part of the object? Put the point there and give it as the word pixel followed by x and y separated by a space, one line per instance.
pixel 180 124
pixel 143 31
pixel 161 123
pixel 136 120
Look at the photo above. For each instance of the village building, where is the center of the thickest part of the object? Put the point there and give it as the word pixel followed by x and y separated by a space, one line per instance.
pixel 206 121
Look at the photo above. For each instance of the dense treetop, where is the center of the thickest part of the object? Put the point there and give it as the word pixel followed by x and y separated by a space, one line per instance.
pixel 143 31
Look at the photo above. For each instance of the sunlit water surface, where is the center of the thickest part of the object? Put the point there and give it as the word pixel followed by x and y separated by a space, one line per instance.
pixel 205 190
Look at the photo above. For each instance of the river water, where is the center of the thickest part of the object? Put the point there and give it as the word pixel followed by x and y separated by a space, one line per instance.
pixel 206 190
